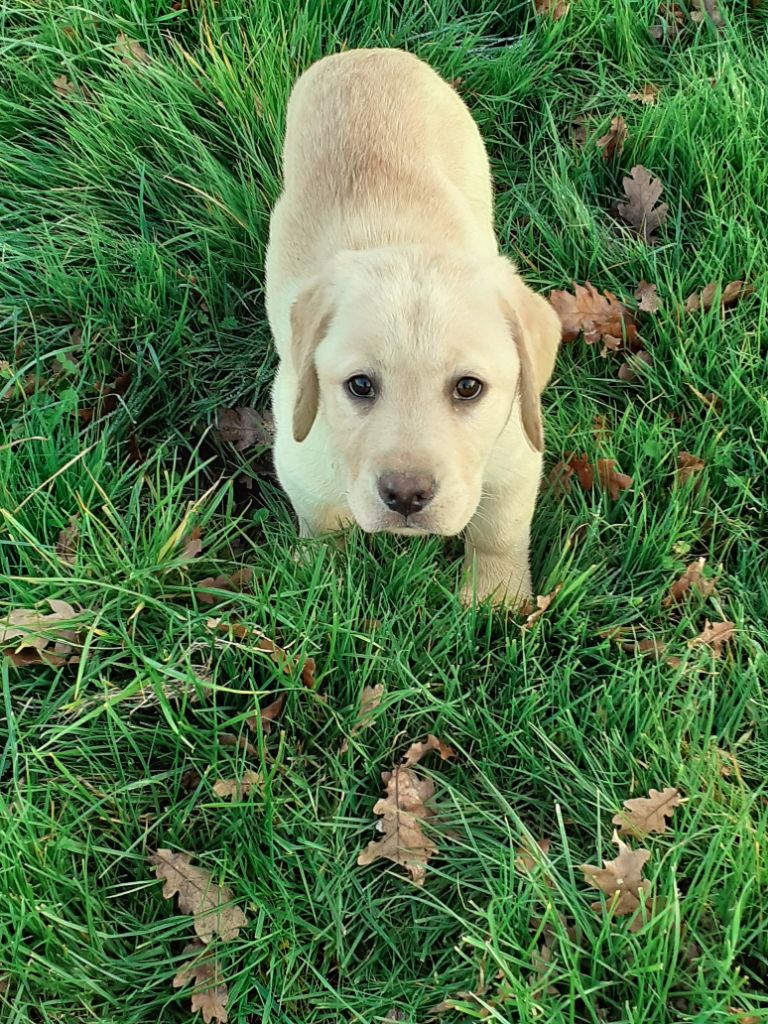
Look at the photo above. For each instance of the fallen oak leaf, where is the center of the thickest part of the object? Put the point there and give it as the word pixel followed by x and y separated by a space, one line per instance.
pixel 621 879
pixel 543 601
pixel 612 143
pixel 68 541
pixel 33 634
pixel 688 467
pixel 628 371
pixel 209 903
pixel 692 580
pixel 714 635
pixel 266 716
pixel 647 297
pixel 194 544
pixel 210 995
pixel 707 10
pixel 369 701
pixel 644 815
pixel 599 317
pixel 649 95
pixel 648 647
pixel 610 480
pixel 245 427
pixel 237 789
pixel 403 811
pixel 416 751
pixel 130 51
pixel 280 656
pixel 554 9
pixel 732 293
pixel 671 20
pixel 237 583
pixel 530 855
pixel 643 212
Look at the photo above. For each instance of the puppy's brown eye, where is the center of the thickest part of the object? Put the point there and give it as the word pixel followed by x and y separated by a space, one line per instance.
pixel 361 386
pixel 467 388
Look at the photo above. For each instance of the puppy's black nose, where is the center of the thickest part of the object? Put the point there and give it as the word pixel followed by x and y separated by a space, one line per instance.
pixel 406 493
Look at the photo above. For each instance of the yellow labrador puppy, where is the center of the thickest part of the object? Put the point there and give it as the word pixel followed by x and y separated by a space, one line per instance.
pixel 412 356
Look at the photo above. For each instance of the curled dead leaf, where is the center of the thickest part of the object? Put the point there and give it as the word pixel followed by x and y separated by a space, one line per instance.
pixel 629 371
pixel 245 427
pixel 707 10
pixel 416 751
pixel 369 701
pixel 648 95
pixel 530 855
pixel 644 815
pixel 281 657
pixel 688 467
pixel 671 20
pixel 68 541
pixel 130 51
pixel 714 635
pixel 208 902
pixel 691 581
pixel 554 9
pixel 238 789
pixel 266 716
pixel 732 293
pixel 29 637
pixel 612 143
pixel 237 583
pixel 543 601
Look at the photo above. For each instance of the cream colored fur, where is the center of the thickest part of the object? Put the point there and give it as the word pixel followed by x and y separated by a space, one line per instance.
pixel 382 261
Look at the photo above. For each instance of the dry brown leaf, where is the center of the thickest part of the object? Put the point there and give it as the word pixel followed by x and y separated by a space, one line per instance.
pixel 130 51
pixel 543 601
pixel 193 545
pixel 732 293
pixel 237 583
pixel 403 811
pixel 209 903
pixel 554 9
pixel 649 95
pixel 40 639
pixel 628 371
pixel 643 212
pixel 612 143
pixel 670 24
pixel 610 480
pixel 620 879
pixel 287 662
pixel 688 467
pixel 245 427
pixel 266 716
pixel 647 297
pixel 691 580
pixel 707 9
pixel 416 751
pixel 369 701
pixel 744 1016
pixel 67 542
pixel 210 995
pixel 64 87
pixel 601 428
pixel 714 635
pixel 109 396
pixel 644 815
pixel 599 317
pixel 237 789
pixel 529 856
pixel 648 648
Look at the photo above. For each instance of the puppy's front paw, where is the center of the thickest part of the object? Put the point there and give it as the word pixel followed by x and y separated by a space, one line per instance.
pixel 498 580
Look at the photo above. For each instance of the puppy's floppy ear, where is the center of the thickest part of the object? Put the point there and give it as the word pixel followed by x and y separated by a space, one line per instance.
pixel 536 331
pixel 311 316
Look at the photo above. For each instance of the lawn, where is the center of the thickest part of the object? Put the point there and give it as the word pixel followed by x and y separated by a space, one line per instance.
pixel 138 164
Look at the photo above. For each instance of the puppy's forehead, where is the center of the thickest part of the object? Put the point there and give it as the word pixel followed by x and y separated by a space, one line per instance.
pixel 437 313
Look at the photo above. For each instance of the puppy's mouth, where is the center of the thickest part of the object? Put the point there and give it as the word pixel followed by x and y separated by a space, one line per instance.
pixel 412 525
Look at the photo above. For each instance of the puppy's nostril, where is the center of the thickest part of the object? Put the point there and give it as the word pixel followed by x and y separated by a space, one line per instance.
pixel 406 493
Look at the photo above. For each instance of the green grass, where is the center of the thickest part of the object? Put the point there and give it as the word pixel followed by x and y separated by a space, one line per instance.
pixel 136 212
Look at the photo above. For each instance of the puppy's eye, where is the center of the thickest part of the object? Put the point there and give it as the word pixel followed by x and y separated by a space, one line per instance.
pixel 467 388
pixel 361 386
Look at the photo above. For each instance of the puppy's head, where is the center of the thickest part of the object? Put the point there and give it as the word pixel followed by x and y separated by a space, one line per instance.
pixel 416 364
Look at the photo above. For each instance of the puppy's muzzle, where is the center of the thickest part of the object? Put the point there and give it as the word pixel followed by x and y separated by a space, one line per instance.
pixel 406 493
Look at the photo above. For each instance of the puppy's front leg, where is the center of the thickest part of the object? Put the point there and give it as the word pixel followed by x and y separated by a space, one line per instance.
pixel 497 541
